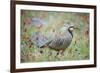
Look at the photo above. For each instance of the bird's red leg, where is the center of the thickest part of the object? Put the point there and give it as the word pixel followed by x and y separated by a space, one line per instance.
pixel 61 52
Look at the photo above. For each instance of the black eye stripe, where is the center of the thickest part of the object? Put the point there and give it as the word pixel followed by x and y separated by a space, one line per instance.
pixel 70 30
pixel 71 27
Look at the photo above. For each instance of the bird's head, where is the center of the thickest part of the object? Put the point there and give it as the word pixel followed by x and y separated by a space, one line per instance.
pixel 70 27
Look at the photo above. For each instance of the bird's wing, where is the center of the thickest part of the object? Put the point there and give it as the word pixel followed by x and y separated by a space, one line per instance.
pixel 56 43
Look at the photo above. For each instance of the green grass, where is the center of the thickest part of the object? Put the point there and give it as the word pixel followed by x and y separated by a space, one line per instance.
pixel 78 49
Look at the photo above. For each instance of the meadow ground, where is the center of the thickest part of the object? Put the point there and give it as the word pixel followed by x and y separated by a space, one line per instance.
pixel 78 49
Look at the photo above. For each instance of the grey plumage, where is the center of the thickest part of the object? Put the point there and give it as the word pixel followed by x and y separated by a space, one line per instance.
pixel 61 41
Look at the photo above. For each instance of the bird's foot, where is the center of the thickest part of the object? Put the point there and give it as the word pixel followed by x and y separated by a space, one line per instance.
pixel 59 54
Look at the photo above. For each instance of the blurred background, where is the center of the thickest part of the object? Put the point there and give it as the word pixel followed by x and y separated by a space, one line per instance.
pixel 47 22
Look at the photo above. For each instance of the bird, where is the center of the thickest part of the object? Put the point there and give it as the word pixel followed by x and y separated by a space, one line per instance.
pixel 61 41
pixel 58 41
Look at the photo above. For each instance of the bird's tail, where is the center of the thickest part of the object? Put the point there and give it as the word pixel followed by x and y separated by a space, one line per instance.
pixel 45 45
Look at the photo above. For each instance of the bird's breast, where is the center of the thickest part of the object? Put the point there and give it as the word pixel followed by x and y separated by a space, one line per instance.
pixel 61 42
pixel 67 40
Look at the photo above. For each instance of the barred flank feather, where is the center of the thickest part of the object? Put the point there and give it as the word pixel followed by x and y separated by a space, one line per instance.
pixel 61 41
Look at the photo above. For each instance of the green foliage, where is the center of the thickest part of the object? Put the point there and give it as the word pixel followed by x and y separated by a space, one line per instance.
pixel 79 48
